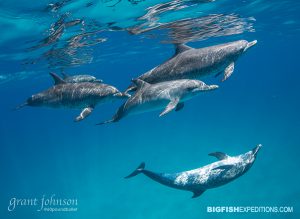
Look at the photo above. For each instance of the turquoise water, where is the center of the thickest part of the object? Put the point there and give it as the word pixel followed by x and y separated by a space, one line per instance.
pixel 43 152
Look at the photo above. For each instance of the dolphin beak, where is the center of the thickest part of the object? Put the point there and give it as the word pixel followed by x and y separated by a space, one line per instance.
pixel 122 95
pixel 126 95
pixel 256 149
pixel 211 87
pixel 118 94
pixel 250 44
pixel 206 88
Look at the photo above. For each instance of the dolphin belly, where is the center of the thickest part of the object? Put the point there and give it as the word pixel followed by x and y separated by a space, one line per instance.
pixel 70 98
pixel 148 106
pixel 164 179
pixel 202 69
pixel 217 174
pixel 67 103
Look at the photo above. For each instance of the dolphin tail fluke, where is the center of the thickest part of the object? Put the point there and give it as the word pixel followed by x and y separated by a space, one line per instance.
pixel 20 106
pixel 137 171
pixel 114 119
pixel 106 122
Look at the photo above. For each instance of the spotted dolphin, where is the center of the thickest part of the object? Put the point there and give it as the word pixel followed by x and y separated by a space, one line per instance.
pixel 210 176
pixel 168 95
pixel 80 78
pixel 190 63
pixel 85 96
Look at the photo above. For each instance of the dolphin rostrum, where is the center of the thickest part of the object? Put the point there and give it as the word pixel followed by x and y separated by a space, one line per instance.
pixel 85 96
pixel 190 63
pixel 210 176
pixel 168 95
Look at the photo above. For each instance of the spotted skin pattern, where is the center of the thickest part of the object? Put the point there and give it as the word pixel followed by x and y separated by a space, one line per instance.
pixel 150 97
pixel 77 95
pixel 84 96
pixel 190 63
pixel 207 177
pixel 81 78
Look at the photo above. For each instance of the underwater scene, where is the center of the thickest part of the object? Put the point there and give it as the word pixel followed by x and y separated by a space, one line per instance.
pixel 149 109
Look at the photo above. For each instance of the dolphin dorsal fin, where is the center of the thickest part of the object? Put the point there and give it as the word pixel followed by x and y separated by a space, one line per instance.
pixel 179 48
pixel 139 83
pixel 219 155
pixel 57 79
pixel 65 75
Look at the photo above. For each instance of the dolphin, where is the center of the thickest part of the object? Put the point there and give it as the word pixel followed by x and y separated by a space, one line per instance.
pixel 210 176
pixel 168 95
pixel 80 78
pixel 85 96
pixel 190 63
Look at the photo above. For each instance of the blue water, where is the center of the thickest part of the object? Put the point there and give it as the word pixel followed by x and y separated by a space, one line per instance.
pixel 43 152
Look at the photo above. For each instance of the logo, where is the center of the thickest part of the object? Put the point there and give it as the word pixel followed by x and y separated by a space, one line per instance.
pixel 44 203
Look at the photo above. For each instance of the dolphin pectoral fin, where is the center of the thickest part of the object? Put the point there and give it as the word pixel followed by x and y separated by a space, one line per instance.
pixel 172 105
pixel 197 193
pixel 224 167
pixel 20 106
pixel 84 113
pixel 219 155
pixel 228 71
pixel 179 106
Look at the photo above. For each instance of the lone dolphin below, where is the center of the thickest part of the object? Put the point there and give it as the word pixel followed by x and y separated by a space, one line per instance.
pixel 210 176
pixel 169 95
pixel 190 63
pixel 85 95
pixel 80 78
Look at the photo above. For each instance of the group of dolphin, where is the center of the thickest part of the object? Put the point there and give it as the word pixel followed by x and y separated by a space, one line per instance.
pixel 165 87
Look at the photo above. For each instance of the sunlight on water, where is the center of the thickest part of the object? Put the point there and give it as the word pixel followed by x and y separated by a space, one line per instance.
pixel 67 33
pixel 45 154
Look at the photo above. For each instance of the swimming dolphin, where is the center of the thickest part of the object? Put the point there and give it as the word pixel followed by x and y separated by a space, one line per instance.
pixel 210 176
pixel 190 63
pixel 168 95
pixel 85 95
pixel 80 78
